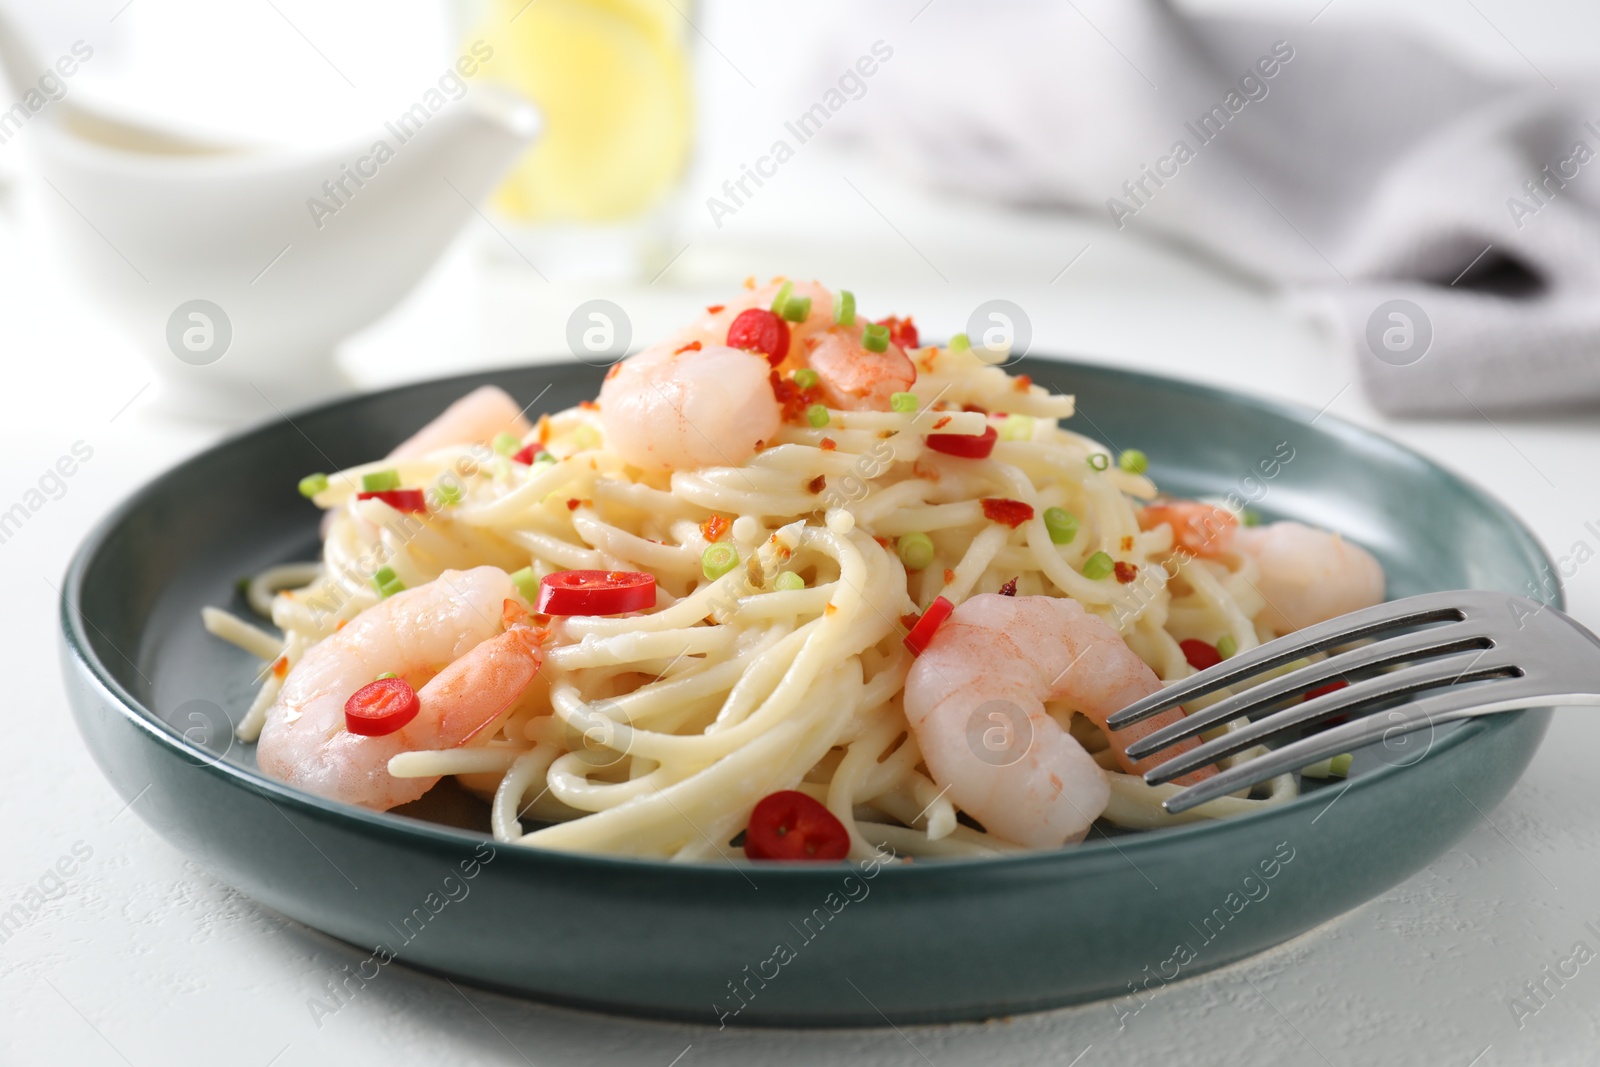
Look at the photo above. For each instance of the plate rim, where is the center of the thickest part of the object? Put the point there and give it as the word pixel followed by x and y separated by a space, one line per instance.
pixel 415 831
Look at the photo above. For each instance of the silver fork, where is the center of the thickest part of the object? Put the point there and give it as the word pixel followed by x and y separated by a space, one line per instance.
pixel 1468 653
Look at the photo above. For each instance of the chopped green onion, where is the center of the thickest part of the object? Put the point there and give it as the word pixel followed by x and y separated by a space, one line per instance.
pixel 1332 767
pixel 506 443
pixel 903 402
pixel 719 559
pixel 788 582
pixel 380 481
pixel 242 587
pixel 448 492
pixel 1062 525
pixel 386 582
pixel 817 415
pixel 312 484
pixel 1017 428
pixel 1247 517
pixel 1134 461
pixel 586 436
pixel 782 299
pixel 542 458
pixel 501 466
pixel 959 343
pixel 385 674
pixel 527 584
pixel 1098 566
pixel 875 337
pixel 806 378
pixel 844 309
pixel 1227 646
pixel 1099 461
pixel 916 550
pixel 796 309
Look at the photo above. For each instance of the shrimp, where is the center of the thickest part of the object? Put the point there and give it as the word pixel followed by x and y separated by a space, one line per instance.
pixel 986 676
pixel 712 327
pixel 1309 575
pixel 444 633
pixel 1306 575
pixel 479 416
pixel 854 377
pixel 666 409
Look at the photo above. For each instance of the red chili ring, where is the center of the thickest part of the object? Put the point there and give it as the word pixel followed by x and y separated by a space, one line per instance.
pixel 1200 654
pixel 381 707
pixel 759 330
pixel 789 825
pixel 921 634
pixel 965 445
pixel 596 592
pixel 412 500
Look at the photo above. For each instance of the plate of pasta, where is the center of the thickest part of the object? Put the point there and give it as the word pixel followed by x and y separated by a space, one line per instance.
pixel 761 675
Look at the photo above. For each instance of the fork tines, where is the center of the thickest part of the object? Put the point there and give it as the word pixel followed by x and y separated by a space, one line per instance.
pixel 1454 645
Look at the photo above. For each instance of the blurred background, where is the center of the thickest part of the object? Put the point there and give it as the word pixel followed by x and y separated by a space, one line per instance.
pixel 653 112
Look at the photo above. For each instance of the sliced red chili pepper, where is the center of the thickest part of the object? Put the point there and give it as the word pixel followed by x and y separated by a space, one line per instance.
pixel 902 332
pixel 965 445
pixel 1012 513
pixel 596 592
pixel 381 707
pixel 759 330
pixel 922 633
pixel 530 453
pixel 789 825
pixel 400 499
pixel 1200 654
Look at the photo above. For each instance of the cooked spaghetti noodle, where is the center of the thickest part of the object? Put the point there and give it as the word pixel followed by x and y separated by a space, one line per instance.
pixel 654 733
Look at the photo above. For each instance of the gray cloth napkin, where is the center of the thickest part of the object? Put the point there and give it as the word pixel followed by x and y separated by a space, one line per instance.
pixel 1448 221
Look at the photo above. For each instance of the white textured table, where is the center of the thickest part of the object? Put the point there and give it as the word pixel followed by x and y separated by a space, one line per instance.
pixel 140 957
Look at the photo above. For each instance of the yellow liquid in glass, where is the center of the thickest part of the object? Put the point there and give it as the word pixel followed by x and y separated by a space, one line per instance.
pixel 612 79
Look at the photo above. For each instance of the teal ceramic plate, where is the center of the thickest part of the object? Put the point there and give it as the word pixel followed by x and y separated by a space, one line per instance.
pixel 806 945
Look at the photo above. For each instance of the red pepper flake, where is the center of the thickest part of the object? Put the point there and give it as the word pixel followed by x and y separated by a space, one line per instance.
pixel 1009 589
pixel 715 528
pixel 1022 383
pixel 1011 512
pixel 817 484
pixel 793 399
pixel 883 542
pixel 544 429
pixel 908 621
pixel 830 609
pixel 588 405
pixel 280 666
pixel 949 576
pixel 714 308
pixel 692 346
pixel 975 407
pixel 902 332
pixel 616 369
pixel 572 504
pixel 1127 544
pixel 942 423
pixel 341 625
pixel 828 444
pixel 1124 571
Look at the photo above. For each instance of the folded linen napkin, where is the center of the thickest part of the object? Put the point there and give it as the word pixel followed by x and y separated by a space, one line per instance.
pixel 1449 221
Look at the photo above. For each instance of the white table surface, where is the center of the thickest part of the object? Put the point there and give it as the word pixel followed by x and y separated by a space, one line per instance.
pixel 144 958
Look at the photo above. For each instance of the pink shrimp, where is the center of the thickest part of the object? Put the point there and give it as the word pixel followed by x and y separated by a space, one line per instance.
pixel 1304 574
pixel 444 633
pixel 481 415
pixel 854 377
pixel 975 700
pixel 670 409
